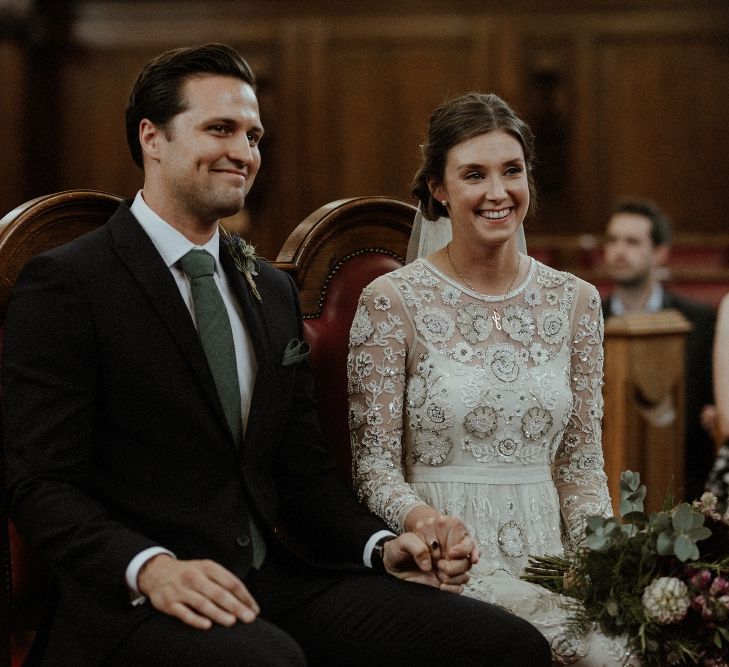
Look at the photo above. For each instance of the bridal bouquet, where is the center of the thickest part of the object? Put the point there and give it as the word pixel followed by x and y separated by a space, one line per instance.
pixel 661 580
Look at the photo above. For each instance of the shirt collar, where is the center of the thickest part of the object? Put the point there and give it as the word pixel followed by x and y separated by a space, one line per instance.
pixel 170 244
pixel 653 305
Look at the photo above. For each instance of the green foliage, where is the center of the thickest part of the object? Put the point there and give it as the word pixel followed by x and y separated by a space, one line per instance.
pixel 620 558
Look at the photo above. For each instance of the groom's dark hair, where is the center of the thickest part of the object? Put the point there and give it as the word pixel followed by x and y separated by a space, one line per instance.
pixel 157 91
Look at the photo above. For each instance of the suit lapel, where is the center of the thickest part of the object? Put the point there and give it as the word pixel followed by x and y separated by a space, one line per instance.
pixel 253 311
pixel 257 325
pixel 135 249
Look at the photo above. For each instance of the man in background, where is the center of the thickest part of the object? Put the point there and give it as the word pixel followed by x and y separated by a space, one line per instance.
pixel 637 246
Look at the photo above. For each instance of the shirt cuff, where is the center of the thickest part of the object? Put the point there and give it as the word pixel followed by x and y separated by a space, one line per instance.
pixel 367 554
pixel 132 572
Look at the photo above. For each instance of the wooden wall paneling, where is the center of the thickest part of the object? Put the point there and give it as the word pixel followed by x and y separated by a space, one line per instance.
pixel 346 92
pixel 549 108
pixel 663 124
pixel 383 79
pixel 311 115
pixel 94 153
pixel 584 158
pixel 650 74
pixel 13 80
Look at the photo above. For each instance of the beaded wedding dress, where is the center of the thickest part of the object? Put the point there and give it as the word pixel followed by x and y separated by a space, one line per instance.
pixel 486 408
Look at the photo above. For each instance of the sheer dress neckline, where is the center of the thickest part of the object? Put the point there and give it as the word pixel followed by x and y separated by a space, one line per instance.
pixel 480 295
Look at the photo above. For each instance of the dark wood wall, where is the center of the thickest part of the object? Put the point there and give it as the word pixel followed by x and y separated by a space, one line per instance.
pixel 626 98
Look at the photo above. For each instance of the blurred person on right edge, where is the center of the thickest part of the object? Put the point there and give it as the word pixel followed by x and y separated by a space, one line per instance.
pixel 475 377
pixel 718 482
pixel 636 248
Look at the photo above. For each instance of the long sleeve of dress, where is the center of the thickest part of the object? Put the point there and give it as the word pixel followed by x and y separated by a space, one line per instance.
pixel 578 465
pixel 379 342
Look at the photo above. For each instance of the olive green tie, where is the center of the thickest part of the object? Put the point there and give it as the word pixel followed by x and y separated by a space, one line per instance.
pixel 216 336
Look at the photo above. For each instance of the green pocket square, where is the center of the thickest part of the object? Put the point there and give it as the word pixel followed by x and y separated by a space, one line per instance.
pixel 295 351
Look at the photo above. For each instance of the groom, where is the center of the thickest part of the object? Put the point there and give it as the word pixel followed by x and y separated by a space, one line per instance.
pixel 163 450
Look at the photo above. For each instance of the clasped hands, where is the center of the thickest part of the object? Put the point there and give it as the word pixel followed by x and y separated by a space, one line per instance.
pixel 437 551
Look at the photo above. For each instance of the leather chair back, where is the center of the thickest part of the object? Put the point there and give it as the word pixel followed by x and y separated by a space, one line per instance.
pixel 332 256
pixel 30 229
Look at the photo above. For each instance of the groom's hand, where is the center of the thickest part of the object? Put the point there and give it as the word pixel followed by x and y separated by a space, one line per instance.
pixel 198 592
pixel 407 557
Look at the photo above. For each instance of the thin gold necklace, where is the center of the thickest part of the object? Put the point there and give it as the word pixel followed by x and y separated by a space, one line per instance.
pixel 494 313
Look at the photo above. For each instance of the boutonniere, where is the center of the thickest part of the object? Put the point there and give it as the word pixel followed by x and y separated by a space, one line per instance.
pixel 245 258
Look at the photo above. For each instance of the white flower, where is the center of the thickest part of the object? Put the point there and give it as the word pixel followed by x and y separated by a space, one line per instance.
pixel 552 326
pixel 666 600
pixel 435 325
pixel 436 416
pixel 427 295
pixel 538 353
pixel 416 391
pixel 382 302
pixel 450 296
pixel 517 322
pixel 505 362
pixel 363 365
pixel 463 352
pixel 474 322
pixel 536 422
pixel 533 296
pixel 482 421
pixel 362 327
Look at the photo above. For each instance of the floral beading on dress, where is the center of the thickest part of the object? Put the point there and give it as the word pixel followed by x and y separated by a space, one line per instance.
pixel 486 408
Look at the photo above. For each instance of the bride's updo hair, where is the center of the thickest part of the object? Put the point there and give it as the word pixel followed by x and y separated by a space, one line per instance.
pixel 456 121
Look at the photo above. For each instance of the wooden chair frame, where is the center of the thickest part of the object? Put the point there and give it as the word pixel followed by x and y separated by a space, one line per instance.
pixel 28 230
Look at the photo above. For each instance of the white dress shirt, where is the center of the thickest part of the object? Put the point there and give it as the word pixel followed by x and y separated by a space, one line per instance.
pixel 653 305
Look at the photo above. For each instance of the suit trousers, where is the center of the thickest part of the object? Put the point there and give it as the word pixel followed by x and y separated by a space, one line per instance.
pixel 314 617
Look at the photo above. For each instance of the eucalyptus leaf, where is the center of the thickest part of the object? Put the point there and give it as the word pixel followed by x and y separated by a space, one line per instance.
pixel 641 518
pixel 638 496
pixel 596 542
pixel 699 533
pixel 685 549
pixel 595 522
pixel 630 530
pixel 660 521
pixel 685 518
pixel 629 480
pixel 664 543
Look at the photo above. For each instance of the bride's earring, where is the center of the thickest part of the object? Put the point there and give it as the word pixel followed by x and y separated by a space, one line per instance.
pixel 445 202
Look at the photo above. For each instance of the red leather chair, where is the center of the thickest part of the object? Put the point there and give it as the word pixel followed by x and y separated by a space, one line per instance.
pixel 32 228
pixel 332 256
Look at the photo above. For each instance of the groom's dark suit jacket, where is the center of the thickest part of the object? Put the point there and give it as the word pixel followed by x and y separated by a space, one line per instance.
pixel 116 440
pixel 699 447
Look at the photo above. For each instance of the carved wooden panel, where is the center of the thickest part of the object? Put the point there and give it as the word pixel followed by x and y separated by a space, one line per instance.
pixel 662 125
pixel 12 95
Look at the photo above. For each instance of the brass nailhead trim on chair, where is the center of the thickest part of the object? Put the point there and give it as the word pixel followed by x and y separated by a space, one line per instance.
pixel 338 265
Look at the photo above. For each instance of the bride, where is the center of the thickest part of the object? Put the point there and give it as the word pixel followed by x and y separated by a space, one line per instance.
pixel 475 375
